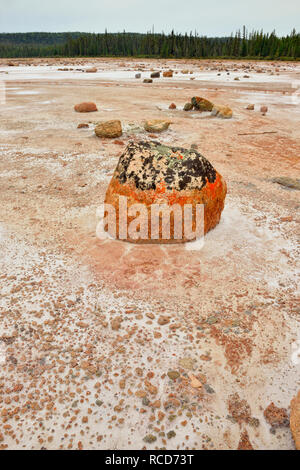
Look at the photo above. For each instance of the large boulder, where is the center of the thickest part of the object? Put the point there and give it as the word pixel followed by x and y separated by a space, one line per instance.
pixel 168 74
pixel 150 173
pixel 109 129
pixel 156 125
pixel 85 107
pixel 295 420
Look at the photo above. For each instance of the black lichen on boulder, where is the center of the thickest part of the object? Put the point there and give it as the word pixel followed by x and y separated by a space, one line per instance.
pixel 149 164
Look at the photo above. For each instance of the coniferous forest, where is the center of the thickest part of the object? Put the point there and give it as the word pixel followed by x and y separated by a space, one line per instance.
pixel 242 44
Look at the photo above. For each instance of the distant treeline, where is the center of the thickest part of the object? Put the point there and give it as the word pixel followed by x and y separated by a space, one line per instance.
pixel 256 44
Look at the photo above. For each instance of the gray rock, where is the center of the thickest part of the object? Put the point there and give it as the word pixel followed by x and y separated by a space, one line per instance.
pixel 173 374
pixel 150 438
pixel 188 107
pixel 287 182
pixel 208 389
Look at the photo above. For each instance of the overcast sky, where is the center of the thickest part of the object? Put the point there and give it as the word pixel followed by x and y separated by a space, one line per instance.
pixel 209 17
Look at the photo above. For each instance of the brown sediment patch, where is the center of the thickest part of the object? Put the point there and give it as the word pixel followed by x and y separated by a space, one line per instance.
pixel 236 350
pixel 275 416
pixel 244 442
pixel 239 409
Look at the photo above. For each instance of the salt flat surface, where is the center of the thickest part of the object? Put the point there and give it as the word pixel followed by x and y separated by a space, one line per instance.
pixel 232 306
pixel 27 92
pixel 42 72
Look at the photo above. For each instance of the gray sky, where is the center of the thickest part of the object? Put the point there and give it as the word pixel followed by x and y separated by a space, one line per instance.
pixel 209 17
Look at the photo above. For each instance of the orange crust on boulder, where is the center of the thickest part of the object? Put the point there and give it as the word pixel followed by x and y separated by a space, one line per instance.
pixel 212 195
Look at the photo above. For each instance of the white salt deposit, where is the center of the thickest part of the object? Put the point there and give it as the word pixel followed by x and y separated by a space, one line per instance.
pixel 27 92
pixel 42 72
pixel 238 234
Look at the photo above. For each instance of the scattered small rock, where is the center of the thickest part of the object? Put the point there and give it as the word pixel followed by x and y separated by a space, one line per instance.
pixel 187 363
pixel 87 107
pixel 208 389
pixel 163 320
pixel 150 438
pixel 195 383
pixel 264 109
pixel 222 112
pixel 287 182
pixel 173 374
pixel 188 107
pixel 116 323
pixel 156 125
pixel 109 129
pixel 201 104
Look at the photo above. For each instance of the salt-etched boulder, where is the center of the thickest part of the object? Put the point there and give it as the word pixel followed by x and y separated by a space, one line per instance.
pixel 151 174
